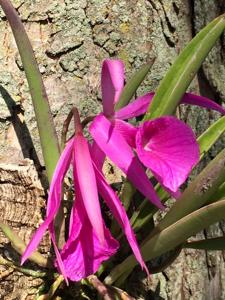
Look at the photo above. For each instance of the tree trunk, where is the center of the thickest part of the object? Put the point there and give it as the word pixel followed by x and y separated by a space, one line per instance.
pixel 70 39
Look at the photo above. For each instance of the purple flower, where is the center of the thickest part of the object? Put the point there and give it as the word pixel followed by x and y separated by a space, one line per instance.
pixel 168 148
pixel 89 242
pixel 166 145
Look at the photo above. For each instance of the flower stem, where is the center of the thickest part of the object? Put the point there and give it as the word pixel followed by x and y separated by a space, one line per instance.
pixel 19 246
pixel 108 292
pixel 65 129
pixel 53 289
pixel 67 123
pixel 29 272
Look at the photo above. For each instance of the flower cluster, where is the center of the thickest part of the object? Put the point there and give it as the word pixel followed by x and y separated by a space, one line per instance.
pixel 164 145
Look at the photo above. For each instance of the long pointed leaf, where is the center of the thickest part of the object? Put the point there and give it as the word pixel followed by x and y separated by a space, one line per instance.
pixel 219 193
pixel 172 236
pixel 183 70
pixel 208 244
pixel 210 136
pixel 198 193
pixel 184 228
pixel 48 137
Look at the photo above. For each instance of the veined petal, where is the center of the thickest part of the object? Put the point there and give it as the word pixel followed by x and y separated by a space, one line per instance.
pixel 112 82
pixel 168 147
pixel 115 147
pixel 118 211
pixel 193 99
pixel 87 184
pixel 54 199
pixel 83 253
pixel 136 108
pixel 127 130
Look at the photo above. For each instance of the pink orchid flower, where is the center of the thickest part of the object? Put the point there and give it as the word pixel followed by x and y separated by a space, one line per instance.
pixel 89 242
pixel 166 145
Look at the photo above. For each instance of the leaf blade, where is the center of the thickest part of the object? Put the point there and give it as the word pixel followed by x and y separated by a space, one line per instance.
pixel 198 193
pixel 171 237
pixel 48 137
pixel 210 136
pixel 183 70
pixel 207 244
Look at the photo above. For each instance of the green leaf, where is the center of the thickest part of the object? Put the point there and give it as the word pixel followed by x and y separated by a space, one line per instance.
pixel 219 194
pixel 198 193
pixel 208 244
pixel 48 137
pixel 29 272
pixel 183 70
pixel 19 245
pixel 210 136
pixel 145 211
pixel 132 85
pixel 56 284
pixel 127 194
pixel 142 215
pixel 171 237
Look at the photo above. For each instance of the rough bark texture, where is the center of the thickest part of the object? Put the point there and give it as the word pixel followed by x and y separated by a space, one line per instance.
pixel 21 205
pixel 70 39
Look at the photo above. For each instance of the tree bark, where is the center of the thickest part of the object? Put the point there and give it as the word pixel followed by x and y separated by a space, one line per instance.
pixel 70 39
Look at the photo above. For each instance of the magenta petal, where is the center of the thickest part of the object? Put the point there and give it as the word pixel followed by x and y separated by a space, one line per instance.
pixel 112 83
pixel 115 147
pixel 140 105
pixel 118 211
pixel 54 199
pixel 127 130
pixel 58 256
pixel 98 154
pixel 193 99
pixel 136 108
pixel 169 149
pixel 176 195
pixel 87 184
pixel 83 253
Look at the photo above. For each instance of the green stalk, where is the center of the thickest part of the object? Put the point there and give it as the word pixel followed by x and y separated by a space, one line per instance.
pixel 54 287
pixel 183 70
pixel 145 211
pixel 48 137
pixel 133 84
pixel 127 194
pixel 29 272
pixel 19 245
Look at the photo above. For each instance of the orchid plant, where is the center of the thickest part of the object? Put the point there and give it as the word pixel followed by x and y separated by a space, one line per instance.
pixel 156 154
